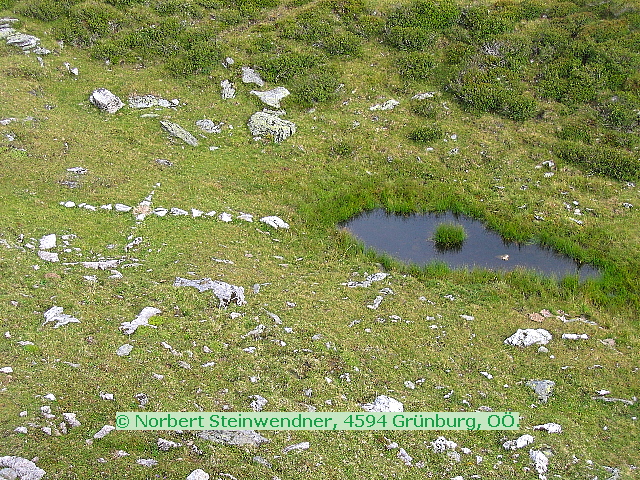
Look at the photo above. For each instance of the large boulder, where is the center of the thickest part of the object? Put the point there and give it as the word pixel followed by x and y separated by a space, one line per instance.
pixel 272 97
pixel 177 131
pixel 105 100
pixel 271 125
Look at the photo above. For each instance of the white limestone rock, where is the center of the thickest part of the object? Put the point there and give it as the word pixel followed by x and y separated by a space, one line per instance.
pixel 383 403
pixel 54 314
pixel 529 336
pixel 23 468
pixel 249 75
pixel 48 242
pixel 225 292
pixel 105 100
pixel 519 442
pixel 272 97
pixel 148 101
pixel 142 319
pixel 275 222
pixel 198 474
pixel 227 90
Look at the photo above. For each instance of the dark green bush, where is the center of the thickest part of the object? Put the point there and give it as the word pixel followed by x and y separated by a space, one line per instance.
pixel 425 108
pixel 285 66
pixel 575 132
pixel 483 23
pixel 97 18
pixel 409 38
pixel 319 85
pixel 309 27
pixel 367 26
pixel 416 65
pixel 46 10
pixel 348 8
pixel 342 43
pixel 619 113
pixel 599 159
pixel 200 57
pixel 426 15
pixel 426 134
pixel 123 3
pixel 342 149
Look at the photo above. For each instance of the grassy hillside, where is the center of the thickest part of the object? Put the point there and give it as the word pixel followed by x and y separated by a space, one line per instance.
pixel 533 114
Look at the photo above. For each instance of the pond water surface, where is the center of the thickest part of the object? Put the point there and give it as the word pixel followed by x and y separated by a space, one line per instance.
pixel 409 238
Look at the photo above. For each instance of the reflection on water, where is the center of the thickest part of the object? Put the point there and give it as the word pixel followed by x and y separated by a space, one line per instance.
pixel 409 238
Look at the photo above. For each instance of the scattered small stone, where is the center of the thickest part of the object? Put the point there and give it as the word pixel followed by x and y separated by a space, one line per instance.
pixel 147 462
pixel 119 207
pixel 611 399
pixel 410 385
pixel 376 303
pixel 142 398
pixel 487 374
pixel 48 242
pixel 540 461
pixel 104 431
pixel 237 438
pixel 467 317
pixel 549 427
pixel 575 336
pixel 404 456
pixel 383 403
pixel 105 100
pixel 543 349
pixel 164 163
pixel 423 96
pixel 165 445
pixel 275 222
pixel 209 126
pixel 148 101
pixel 543 388
pixel 198 474
pixel 6 370
pixel 141 320
pixel 20 430
pixel 376 277
pixel 124 350
pixel 297 446
pixel 441 445
pixel 536 317
pixel 227 90
pixel 519 442
pixel 54 314
pixel 388 105
pixel 225 217
pixel 225 292
pixel 529 336
pixel 48 256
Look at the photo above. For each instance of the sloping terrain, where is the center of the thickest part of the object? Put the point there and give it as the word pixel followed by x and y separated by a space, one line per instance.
pixel 522 114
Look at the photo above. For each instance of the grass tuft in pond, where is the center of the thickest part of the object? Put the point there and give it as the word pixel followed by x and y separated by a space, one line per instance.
pixel 449 236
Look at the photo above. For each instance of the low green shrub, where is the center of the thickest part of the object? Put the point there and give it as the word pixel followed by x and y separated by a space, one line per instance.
pixel 97 18
pixel 409 38
pixel 416 65
pixel 425 15
pixel 285 66
pixel 575 132
pixel 449 236
pixel 600 159
pixel 318 85
pixel 342 148
pixel 619 113
pixel 342 43
pixel 483 23
pixel 426 134
pixel 425 108
pixel 46 10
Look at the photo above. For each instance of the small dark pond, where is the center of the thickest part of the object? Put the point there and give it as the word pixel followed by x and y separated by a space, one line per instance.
pixel 409 238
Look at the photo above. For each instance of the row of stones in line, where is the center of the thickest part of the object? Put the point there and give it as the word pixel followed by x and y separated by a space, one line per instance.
pixel 273 221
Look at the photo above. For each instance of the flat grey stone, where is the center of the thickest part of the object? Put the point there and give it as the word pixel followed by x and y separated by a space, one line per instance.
pixel 272 97
pixel 198 474
pixel 249 75
pixel 124 350
pixel 209 126
pixel 529 336
pixel 148 101
pixel 543 388
pixel 237 438
pixel 177 131
pixel 54 314
pixel 275 222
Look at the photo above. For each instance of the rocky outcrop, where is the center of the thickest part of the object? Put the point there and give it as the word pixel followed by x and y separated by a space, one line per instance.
pixel 271 125
pixel 272 97
pixel 105 100
pixel 176 130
